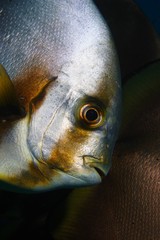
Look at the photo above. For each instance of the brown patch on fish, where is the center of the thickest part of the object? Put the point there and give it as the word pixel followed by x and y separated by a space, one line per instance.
pixel 67 148
pixel 35 176
pixel 30 84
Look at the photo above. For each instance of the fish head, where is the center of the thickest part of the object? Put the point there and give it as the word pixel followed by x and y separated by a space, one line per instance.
pixel 73 132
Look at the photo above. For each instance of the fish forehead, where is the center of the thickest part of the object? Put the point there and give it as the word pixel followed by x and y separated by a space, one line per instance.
pixel 93 70
pixel 47 33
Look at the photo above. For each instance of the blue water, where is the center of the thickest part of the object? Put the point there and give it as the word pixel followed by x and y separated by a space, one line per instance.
pixel 151 9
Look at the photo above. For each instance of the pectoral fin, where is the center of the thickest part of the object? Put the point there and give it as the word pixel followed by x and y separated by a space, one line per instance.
pixel 9 104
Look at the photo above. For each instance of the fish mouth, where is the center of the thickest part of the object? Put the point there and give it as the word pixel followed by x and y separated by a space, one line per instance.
pixel 96 163
pixel 100 172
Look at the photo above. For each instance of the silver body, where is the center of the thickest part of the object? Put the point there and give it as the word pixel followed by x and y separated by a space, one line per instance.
pixel 69 41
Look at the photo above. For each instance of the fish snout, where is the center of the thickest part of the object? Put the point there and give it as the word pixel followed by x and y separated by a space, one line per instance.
pixel 100 164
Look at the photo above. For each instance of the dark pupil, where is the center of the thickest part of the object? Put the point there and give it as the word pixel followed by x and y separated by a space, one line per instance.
pixel 91 115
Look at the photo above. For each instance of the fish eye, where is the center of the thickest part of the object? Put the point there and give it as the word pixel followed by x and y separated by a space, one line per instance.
pixel 91 115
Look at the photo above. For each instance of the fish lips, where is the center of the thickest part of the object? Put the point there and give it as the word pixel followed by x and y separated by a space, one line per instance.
pixel 98 164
